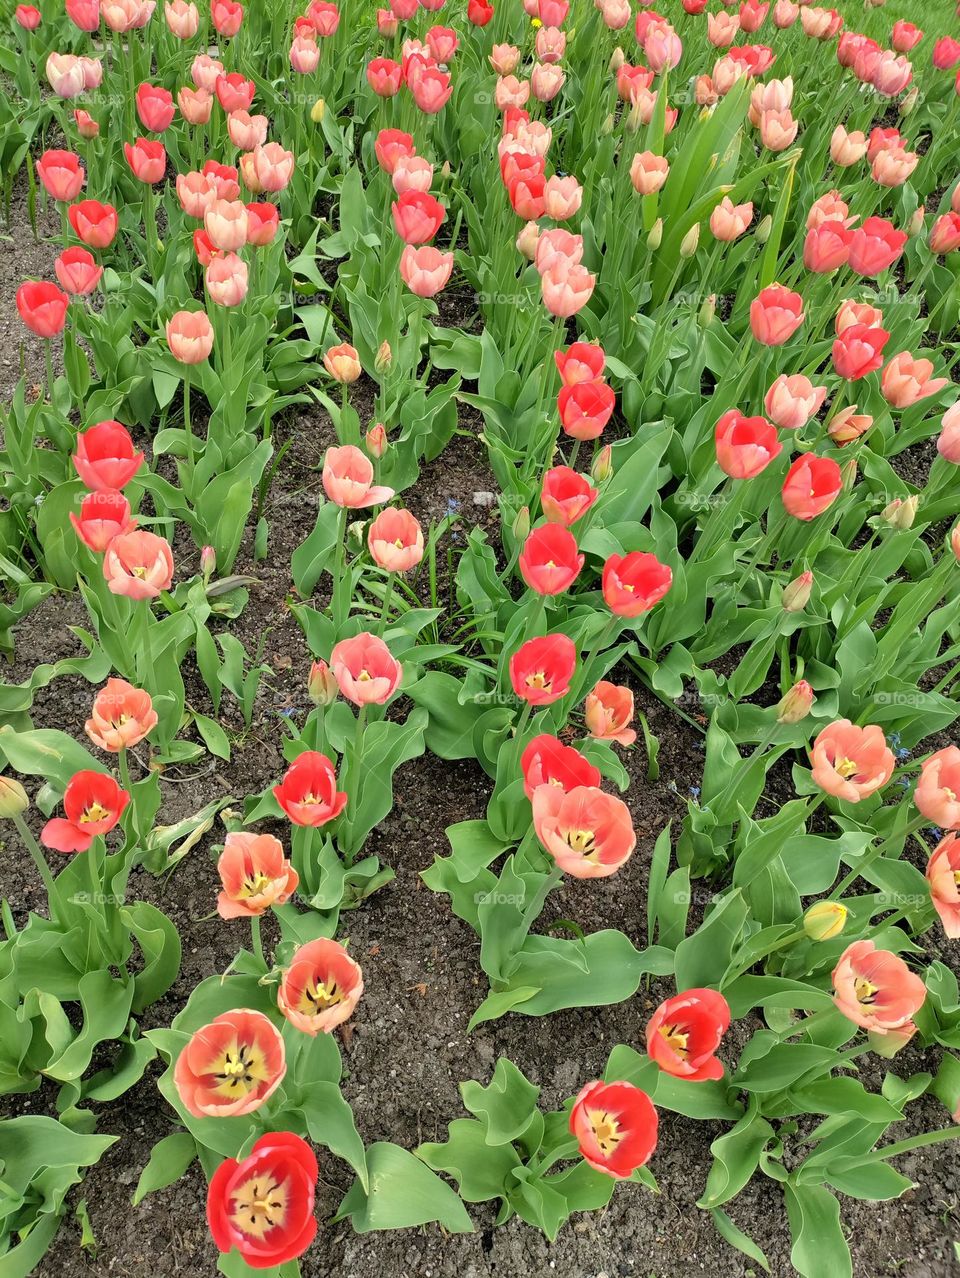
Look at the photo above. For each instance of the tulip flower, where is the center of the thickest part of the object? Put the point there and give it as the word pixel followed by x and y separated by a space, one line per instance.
pixel 395 540
pixel 304 55
pixel 729 221
pixel 93 804
pixel 616 1127
pixel 308 792
pixel 549 561
pixel 231 1066
pixel 859 351
pixel 585 408
pixel 227 278
pixel 745 445
pixel 425 270
pixel 847 425
pixel 906 381
pixel 893 167
pixel 122 716
pixel 634 583
pixel 827 247
pixel 61 174
pixel 566 289
pixel 875 246
pixel 65 75
pixel 255 875
pixel 348 479
pixel 190 336
pixel 948 441
pixel 27 17
pixel 42 307
pixel 183 18
pixel 943 875
pixel 479 12
pixel 147 160
pixel 937 795
pixel 320 988
pixel 225 222
pixel 77 271
pixel 138 564
pixel 84 14
pixel 196 192
pixel 105 456
pixel 608 711
pixel 87 126
pixel 792 401
pixel 581 362
pixel 385 77
pixel 390 145
pixel 811 486
pixel 684 1033
pixel 325 18
pixel 847 148
pixel 946 53
pixel 558 247
pixel 796 703
pixel 566 496
pixel 263 1206
pixel 271 167
pixel 541 669
pixel 876 990
pixel 155 107
pixel 945 234
pixel 263 222
pixel 547 761
pixel 417 216
pixel 94 223
pixel 775 315
pixel 411 173
pixel 648 172
pixel 366 671
pixel 588 833
pixel 104 514
pixel 825 920
pixel 849 762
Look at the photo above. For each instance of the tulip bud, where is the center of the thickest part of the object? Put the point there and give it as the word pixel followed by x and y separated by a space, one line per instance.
pixel 795 705
pixel 909 103
pixel 655 238
pixel 617 59
pixel 688 245
pixel 321 684
pixel 955 542
pixel 762 233
pixel 208 563
pixel 318 110
pixel 384 361
pixel 916 222
pixel 825 920
pixel 527 240
pixel 707 311
pixel 445 171
pixel 377 442
pixel 607 126
pixel 900 513
pixel 848 475
pixel 13 798
pixel 602 467
pixel 796 596
pixel 521 524
pixel 634 117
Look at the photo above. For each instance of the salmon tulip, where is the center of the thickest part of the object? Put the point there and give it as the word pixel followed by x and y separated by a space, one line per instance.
pixel 348 479
pixel 308 792
pixel 105 456
pixel 320 988
pixel 745 445
pixel 684 1033
pixel 811 486
pixel 588 832
pixel 139 565
pixel 547 761
pixel 255 875
pixel 876 990
pixel 122 716
pixel 850 762
pixel 366 671
pixel 943 875
pixel 231 1066
pixel 937 795
pixel 608 711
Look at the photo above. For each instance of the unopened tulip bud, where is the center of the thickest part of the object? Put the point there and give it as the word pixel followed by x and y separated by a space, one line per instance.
pixel 825 920
pixel 707 311
pixel 208 563
pixel 521 525
pixel 916 222
pixel 527 240
pixel 321 684
pixel 13 798
pixel 377 442
pixel 955 542
pixel 607 126
pixel 848 475
pixel 796 596
pixel 795 705
pixel 617 59
pixel 634 117
pixel 900 513
pixel 445 171
pixel 384 361
pixel 655 238
pixel 690 241
pixel 909 103
pixel 762 233
pixel 602 467
pixel 318 110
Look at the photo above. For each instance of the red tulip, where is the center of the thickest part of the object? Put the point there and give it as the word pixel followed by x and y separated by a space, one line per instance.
pixel 745 445
pixel 147 160
pixel 566 496
pixel 27 17
pixel 581 362
pixel 320 988
pixel 811 486
pixel 226 16
pixel 541 669
pixel 155 107
pixel 385 77
pixel 42 307
pixel 93 803
pixel 616 1127
pixel 634 583
pixel 549 562
pixel 105 456
pixel 263 222
pixel 417 216
pixel 827 247
pixel 235 92
pixel 224 178
pixel 585 408
pixel 62 174
pixel 547 761
pixel 390 145
pixel 93 222
pixel 875 246
pixel 859 351
pixel 263 1206
pixel 479 12
pixel 308 792
pixel 104 514
pixel 685 1031
pixel 77 271
pixel 946 53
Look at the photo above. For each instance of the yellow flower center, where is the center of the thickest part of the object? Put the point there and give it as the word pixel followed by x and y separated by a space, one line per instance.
pixel 320 995
pixel 676 1038
pixel 259 1206
pixel 239 1070
pixel 539 680
pixel 582 841
pixel 845 767
pixel 606 1131
pixel 254 884
pixel 865 992
pixel 95 812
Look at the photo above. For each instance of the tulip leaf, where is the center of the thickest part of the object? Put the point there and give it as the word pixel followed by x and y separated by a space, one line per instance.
pixel 403 1193
pixel 819 1247
pixel 169 1159
pixel 506 1107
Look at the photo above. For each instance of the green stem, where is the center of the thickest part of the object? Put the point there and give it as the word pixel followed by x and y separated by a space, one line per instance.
pixel 256 939
pixel 385 606
pixel 870 857
pixel 40 861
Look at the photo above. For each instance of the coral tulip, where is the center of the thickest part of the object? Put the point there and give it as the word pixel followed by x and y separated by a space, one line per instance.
pixel 255 875
pixel 320 988
pixel 122 716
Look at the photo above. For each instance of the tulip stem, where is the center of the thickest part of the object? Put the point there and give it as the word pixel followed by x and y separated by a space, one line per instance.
pixel 49 882
pixel 256 939
pixel 48 357
pixel 385 605
pixel 875 853
pixel 188 428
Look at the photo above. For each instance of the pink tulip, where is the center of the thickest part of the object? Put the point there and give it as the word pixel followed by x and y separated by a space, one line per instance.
pixel 138 565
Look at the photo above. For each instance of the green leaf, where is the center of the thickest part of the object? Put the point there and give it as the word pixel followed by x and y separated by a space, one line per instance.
pixel 169 1159
pixel 737 1238
pixel 819 1247
pixel 506 1107
pixel 403 1192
